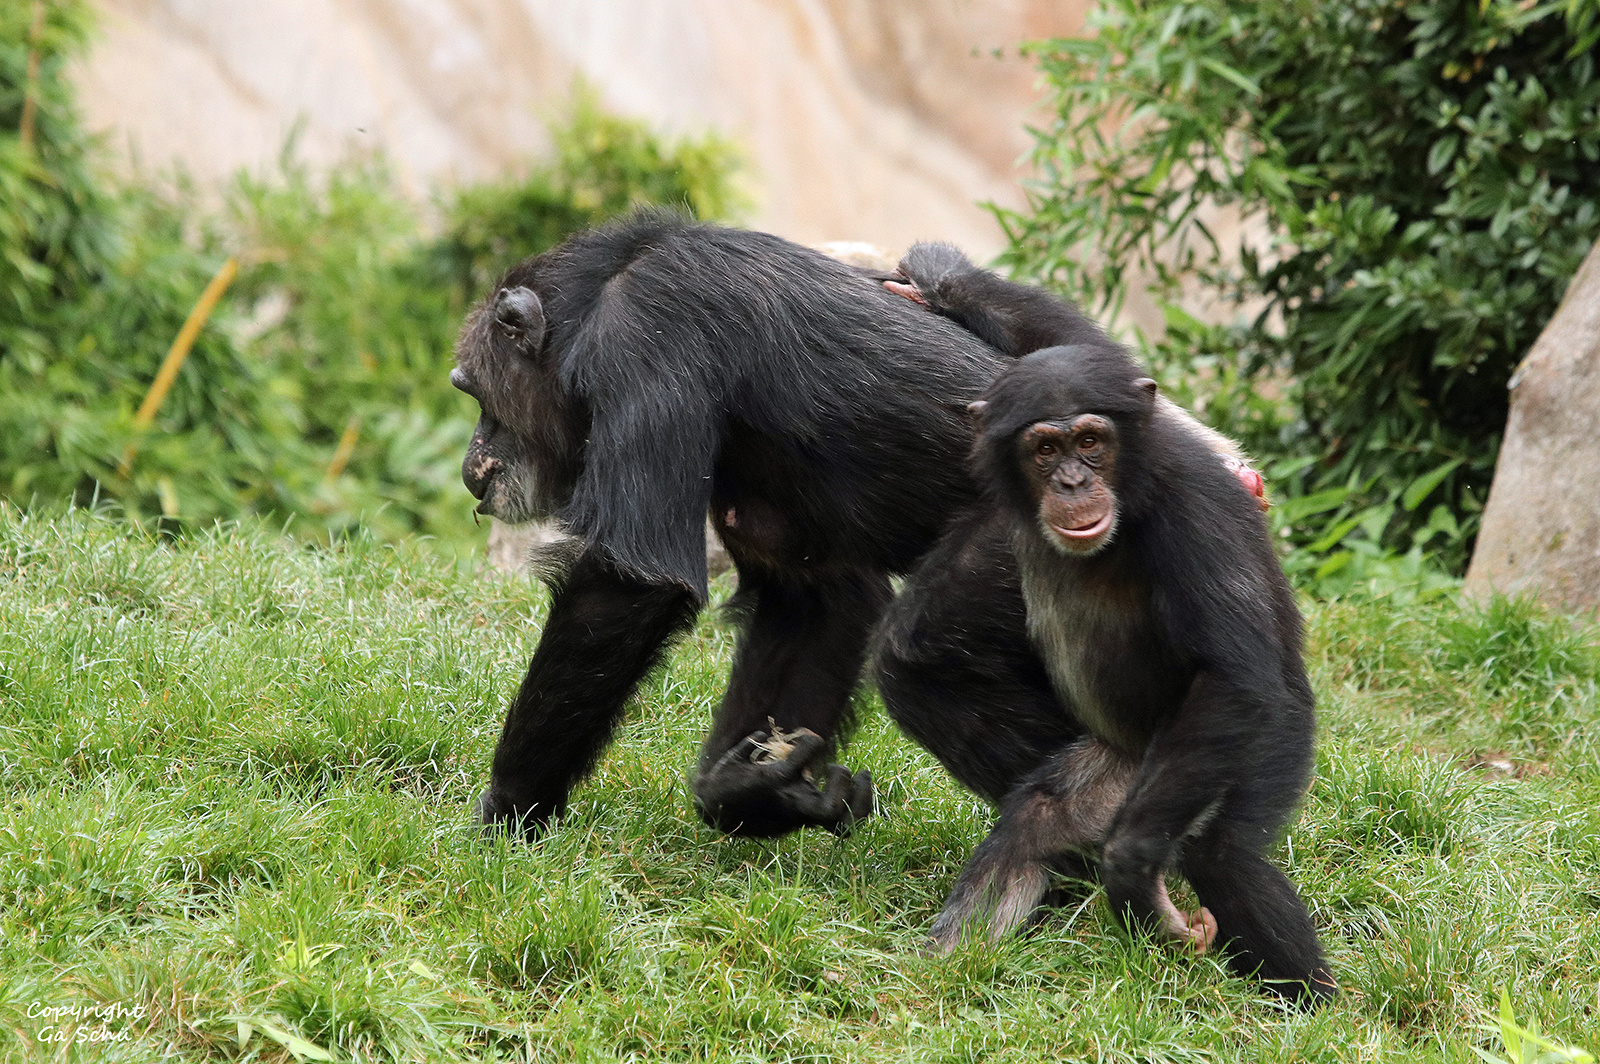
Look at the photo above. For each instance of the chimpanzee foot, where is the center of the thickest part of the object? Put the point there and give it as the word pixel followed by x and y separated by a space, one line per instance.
pixel 773 782
pixel 499 812
pixel 1194 931
pixel 997 892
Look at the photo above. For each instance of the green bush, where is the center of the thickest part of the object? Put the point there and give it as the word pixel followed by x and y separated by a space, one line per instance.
pixel 339 327
pixel 604 167
pixel 95 282
pixel 1417 182
pixel 52 239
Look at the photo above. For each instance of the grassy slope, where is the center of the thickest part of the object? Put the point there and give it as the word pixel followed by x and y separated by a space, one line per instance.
pixel 235 780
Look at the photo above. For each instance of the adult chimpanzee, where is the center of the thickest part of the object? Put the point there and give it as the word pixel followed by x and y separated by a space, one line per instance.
pixel 1107 649
pixel 640 374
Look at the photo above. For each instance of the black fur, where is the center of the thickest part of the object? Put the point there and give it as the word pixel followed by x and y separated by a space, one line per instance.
pixel 641 374
pixel 1174 649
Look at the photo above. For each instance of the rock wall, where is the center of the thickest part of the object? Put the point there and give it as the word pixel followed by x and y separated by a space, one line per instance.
pixel 869 120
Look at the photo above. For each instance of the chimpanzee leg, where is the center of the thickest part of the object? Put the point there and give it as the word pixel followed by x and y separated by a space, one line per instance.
pixel 763 770
pixel 1261 920
pixel 604 633
pixel 958 671
pixel 1059 812
pixel 1050 825
pixel 1211 795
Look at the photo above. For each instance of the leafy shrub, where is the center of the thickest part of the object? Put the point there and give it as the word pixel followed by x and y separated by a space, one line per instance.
pixel 1412 182
pixel 318 392
pixel 51 239
pixel 604 167
pixel 96 281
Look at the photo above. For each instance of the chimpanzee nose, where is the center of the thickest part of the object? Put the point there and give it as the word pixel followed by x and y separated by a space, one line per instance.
pixel 517 310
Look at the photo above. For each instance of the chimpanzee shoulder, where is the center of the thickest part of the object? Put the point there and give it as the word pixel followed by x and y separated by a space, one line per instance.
pixel 1205 545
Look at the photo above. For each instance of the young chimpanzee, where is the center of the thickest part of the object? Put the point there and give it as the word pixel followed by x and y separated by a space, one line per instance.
pixel 1108 650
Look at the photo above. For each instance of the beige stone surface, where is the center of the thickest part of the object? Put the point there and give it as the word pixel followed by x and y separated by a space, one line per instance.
pixel 1541 528
pixel 863 119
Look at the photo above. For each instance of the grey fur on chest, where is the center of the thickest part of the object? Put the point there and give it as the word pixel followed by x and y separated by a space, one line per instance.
pixel 1088 635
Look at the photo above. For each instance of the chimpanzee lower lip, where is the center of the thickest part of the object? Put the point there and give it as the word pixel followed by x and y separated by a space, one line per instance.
pixel 1089 532
pixel 488 486
pixel 478 473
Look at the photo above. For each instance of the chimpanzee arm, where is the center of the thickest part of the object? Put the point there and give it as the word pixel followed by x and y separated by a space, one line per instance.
pixel 1015 319
pixel 1182 780
pixel 639 511
pixel 655 425
pixel 605 631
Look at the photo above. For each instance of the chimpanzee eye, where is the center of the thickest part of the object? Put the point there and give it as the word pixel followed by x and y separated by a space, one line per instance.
pixel 1045 449
pixel 1088 442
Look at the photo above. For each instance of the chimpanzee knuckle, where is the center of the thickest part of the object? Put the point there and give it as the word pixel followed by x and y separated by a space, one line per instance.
pixel 498 813
pixel 808 747
pixel 815 808
pixel 788 767
pixel 770 798
pixel 862 802
pixel 929 264
pixel 844 804
pixel 746 748
pixel 725 782
pixel 769 776
pixel 732 761
pixel 809 804
pixel 837 782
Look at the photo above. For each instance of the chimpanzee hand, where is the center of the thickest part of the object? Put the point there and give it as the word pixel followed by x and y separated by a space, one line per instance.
pixel 498 811
pixel 768 784
pixel 905 288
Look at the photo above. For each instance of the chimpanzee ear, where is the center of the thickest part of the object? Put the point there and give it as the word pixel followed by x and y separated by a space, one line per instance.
pixel 977 410
pixel 520 315
pixel 1149 386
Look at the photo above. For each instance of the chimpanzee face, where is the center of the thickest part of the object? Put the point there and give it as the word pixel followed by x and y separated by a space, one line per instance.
pixel 1070 465
pixel 521 463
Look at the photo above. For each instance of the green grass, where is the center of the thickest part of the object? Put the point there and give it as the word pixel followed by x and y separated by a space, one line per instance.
pixel 236 773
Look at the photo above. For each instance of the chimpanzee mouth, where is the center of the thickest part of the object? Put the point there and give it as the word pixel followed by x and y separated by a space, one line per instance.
pixel 478 473
pixel 1082 528
pixel 1093 530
